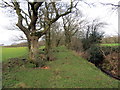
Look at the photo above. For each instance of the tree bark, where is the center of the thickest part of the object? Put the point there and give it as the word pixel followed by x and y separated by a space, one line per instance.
pixel 33 49
pixel 67 39
pixel 48 44
pixel 34 53
pixel 58 42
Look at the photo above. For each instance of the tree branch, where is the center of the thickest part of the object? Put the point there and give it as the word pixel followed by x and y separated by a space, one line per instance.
pixel 20 18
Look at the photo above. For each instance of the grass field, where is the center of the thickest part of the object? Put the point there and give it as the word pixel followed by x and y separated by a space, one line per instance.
pixel 12 52
pixel 67 71
pixel 113 44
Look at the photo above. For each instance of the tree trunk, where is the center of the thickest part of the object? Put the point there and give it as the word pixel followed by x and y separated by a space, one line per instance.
pixel 67 39
pixel 69 43
pixel 48 45
pixel 57 42
pixel 34 51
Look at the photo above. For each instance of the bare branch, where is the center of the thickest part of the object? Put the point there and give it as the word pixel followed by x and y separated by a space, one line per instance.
pixel 6 4
pixel 20 18
pixel 110 4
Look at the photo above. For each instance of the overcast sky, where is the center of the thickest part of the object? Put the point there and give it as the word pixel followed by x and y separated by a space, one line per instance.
pixel 103 12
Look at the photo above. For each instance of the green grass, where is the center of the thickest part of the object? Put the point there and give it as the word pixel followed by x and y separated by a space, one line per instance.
pixel 42 47
pixel 12 52
pixel 67 71
pixel 113 44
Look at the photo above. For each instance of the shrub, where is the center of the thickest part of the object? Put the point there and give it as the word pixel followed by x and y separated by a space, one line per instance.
pixel 86 44
pixel 109 49
pixel 94 38
pixel 111 61
pixel 96 55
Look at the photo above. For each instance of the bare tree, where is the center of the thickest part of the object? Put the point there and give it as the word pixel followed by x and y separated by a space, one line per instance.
pixel 29 18
pixel 57 34
pixel 93 35
pixel 71 26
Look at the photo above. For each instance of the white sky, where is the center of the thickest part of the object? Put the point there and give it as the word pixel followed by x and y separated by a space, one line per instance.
pixel 104 13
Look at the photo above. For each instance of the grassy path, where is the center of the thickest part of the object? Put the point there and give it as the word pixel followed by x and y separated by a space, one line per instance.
pixel 67 71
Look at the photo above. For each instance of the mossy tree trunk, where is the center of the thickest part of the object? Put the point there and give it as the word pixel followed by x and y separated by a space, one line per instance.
pixel 33 48
pixel 68 38
pixel 48 44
